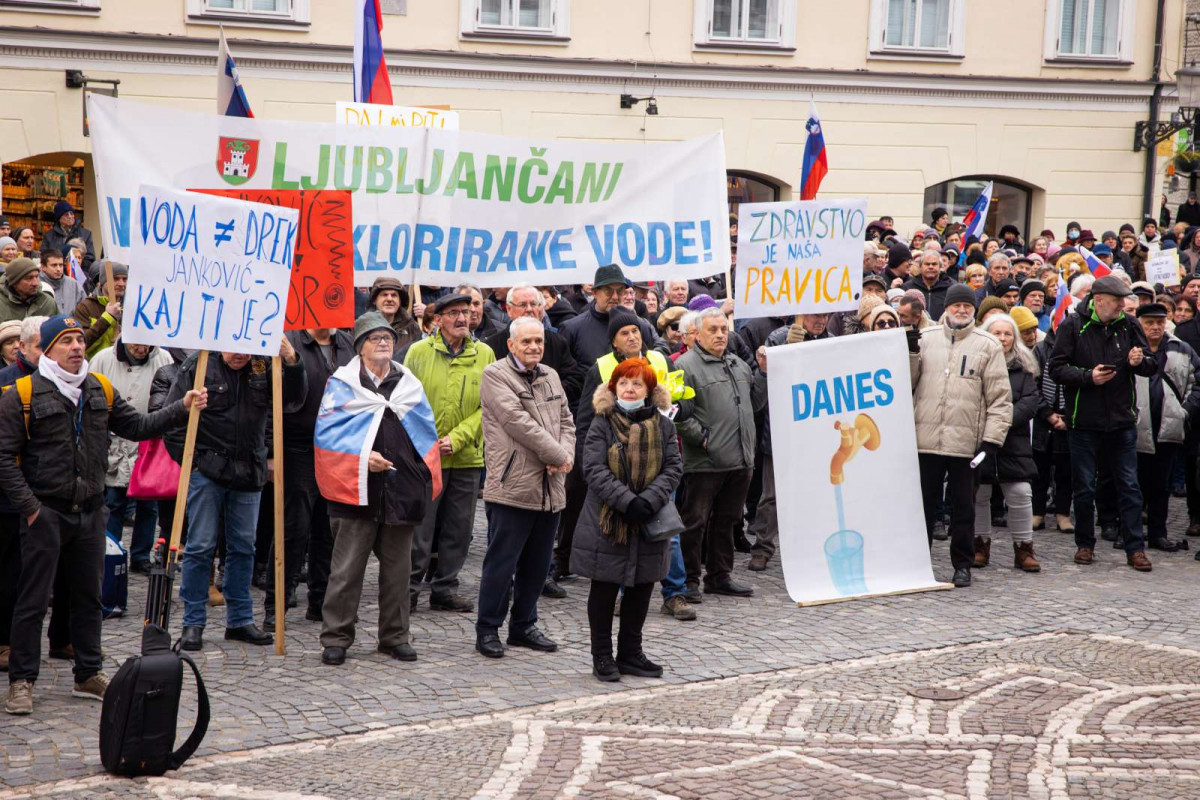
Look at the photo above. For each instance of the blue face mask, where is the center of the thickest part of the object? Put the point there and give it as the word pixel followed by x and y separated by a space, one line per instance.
pixel 1072 234
pixel 630 405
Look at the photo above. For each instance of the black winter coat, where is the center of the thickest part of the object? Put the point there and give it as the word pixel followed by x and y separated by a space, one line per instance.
pixel 935 298
pixel 164 379
pixel 399 496
pixel 595 556
pixel 1014 463
pixel 587 335
pixel 1083 342
pixel 300 421
pixel 232 440
pixel 56 468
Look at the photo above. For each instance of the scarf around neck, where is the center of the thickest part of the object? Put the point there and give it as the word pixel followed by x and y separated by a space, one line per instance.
pixel 635 458
pixel 71 385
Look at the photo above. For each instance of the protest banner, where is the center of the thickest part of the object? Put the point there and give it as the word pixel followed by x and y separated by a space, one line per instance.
pixel 851 522
pixel 212 273
pixel 381 116
pixel 442 206
pixel 321 293
pixel 802 257
pixel 1163 267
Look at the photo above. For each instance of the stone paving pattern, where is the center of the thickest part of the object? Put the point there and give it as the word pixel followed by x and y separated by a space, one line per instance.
pixel 1075 682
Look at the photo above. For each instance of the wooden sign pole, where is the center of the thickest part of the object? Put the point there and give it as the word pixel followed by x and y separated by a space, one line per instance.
pixel 108 281
pixel 185 467
pixel 415 297
pixel 277 445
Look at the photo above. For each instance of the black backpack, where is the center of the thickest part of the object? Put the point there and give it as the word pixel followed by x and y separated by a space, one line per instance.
pixel 141 707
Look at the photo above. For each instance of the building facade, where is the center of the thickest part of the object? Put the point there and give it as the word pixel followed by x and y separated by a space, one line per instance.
pixel 921 101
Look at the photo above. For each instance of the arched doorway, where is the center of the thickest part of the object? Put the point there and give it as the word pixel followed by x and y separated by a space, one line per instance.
pixel 747 187
pixel 1011 202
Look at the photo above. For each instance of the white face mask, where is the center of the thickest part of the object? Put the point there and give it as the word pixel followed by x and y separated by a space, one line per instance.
pixel 630 405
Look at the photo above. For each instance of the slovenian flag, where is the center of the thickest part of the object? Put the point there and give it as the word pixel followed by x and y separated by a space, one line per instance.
pixel 231 97
pixel 349 418
pixel 975 219
pixel 371 83
pixel 1097 267
pixel 76 269
pixel 1062 302
pixel 815 166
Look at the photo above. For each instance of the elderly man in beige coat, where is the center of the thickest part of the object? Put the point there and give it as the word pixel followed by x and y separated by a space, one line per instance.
pixel 962 403
pixel 529 446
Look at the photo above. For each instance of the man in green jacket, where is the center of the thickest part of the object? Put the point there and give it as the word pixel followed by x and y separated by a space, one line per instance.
pixel 21 292
pixel 450 366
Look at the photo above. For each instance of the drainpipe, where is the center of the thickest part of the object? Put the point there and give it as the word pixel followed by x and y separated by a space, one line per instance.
pixel 1148 208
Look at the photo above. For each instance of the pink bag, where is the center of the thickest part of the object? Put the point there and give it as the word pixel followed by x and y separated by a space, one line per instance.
pixel 155 473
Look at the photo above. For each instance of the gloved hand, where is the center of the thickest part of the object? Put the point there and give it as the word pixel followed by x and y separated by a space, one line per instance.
pixel 914 340
pixel 639 510
pixel 987 469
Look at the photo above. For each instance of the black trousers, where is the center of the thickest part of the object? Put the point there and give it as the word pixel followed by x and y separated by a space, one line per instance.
pixel 1054 469
pixel 1156 473
pixel 305 522
pixel 710 502
pixel 961 482
pixel 602 598
pixel 518 555
pixel 10 572
pixel 576 494
pixel 79 539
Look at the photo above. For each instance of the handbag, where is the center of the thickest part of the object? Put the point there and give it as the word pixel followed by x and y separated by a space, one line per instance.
pixel 664 525
pixel 155 474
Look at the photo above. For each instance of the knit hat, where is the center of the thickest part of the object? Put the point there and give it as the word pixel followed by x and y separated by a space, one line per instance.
pixel 55 327
pixel 989 304
pixel 117 269
pixel 916 294
pixel 368 323
pixel 18 268
pixel 620 318
pixel 62 207
pixel 960 293
pixel 700 302
pixel 1004 287
pixel 897 255
pixel 1031 285
pixel 868 303
pixel 5 241
pixel 895 294
pixel 1024 318
pixel 9 330
pixel 880 311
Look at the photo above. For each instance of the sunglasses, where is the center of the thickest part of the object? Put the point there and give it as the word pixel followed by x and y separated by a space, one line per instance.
pixel 886 323
pixel 673 326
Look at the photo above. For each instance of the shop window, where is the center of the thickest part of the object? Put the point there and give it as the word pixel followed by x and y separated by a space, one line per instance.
pixel 250 11
pixel 1089 30
pixel 1010 202
pixel 742 188
pixel 31 190
pixel 759 24
pixel 918 27
pixel 527 19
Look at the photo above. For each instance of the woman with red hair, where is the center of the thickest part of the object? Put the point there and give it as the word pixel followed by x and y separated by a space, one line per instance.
pixel 632 465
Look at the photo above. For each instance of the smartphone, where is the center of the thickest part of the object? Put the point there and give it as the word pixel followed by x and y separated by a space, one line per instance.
pixel 1107 367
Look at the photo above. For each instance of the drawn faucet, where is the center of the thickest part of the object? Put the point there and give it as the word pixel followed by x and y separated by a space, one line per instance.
pixel 863 433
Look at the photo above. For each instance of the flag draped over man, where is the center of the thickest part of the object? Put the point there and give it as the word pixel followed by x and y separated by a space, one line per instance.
pixel 346 426
pixel 371 83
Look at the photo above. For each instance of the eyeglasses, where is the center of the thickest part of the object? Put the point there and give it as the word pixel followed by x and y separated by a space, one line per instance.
pixel 379 338
pixel 525 306
pixel 886 323
pixel 460 312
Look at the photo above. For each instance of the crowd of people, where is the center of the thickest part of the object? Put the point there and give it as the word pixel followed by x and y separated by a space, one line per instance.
pixel 617 431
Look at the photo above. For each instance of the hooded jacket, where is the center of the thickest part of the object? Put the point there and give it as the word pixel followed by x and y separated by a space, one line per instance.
pixel 961 393
pixel 1169 398
pixel 100 329
pixel 593 555
pixel 1082 343
pixel 133 381
pixel 452 383
pixel 14 307
pixel 527 427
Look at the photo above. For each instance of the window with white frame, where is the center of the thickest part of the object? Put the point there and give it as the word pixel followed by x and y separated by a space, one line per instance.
pixel 250 11
pixel 516 18
pixel 1089 30
pixel 746 23
pixel 917 28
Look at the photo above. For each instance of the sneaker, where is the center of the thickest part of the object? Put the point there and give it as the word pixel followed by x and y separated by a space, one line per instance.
pixel 603 667
pixel 678 608
pixel 93 688
pixel 692 594
pixel 551 589
pixel 638 664
pixel 20 697
pixel 939 532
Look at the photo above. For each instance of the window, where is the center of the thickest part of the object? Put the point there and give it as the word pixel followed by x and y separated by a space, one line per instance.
pixel 506 19
pixel 250 12
pixel 1089 30
pixel 1011 202
pixel 760 24
pixel 918 28
pixel 54 6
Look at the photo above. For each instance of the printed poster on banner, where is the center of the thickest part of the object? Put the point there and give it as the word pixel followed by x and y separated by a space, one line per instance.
pixel 442 206
pixel 802 257
pixel 1163 267
pixel 381 116
pixel 851 522
pixel 210 273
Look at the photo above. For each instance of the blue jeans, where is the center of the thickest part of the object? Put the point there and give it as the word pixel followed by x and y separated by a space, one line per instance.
pixel 1118 449
pixel 207 501
pixel 675 583
pixel 145 519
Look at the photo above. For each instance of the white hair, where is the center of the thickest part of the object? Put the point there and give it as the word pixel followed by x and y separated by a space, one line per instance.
pixel 930 252
pixel 709 313
pixel 515 325
pixel 541 300
pixel 674 281
pixel 869 249
pixel 688 322
pixel 31 328
pixel 997 257
pixel 1082 285
pixel 1022 353
pixel 932 244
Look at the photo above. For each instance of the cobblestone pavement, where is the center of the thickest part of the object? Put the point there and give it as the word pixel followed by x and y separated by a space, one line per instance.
pixel 1075 682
